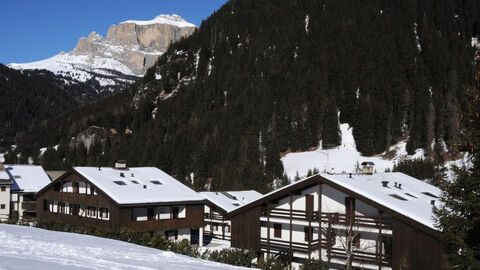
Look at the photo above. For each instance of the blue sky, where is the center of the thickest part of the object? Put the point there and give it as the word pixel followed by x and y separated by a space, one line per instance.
pixel 33 30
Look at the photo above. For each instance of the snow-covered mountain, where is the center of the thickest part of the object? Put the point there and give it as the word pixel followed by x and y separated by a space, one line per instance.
pixel 120 58
pixel 32 248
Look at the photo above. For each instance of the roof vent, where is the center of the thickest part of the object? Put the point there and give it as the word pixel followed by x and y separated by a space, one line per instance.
pixel 350 175
pixel 120 164
pixel 399 186
pixel 132 174
pixel 432 202
pixel 385 184
pixel 122 174
pixel 99 168
pixel 144 186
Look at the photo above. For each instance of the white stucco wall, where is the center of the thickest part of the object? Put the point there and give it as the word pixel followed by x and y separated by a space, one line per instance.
pixel 5 200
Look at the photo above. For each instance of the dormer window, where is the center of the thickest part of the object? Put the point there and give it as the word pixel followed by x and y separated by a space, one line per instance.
pixel 120 183
pixel 429 194
pixel 396 196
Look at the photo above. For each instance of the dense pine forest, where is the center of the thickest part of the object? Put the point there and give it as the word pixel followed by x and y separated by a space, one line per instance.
pixel 261 78
pixel 27 98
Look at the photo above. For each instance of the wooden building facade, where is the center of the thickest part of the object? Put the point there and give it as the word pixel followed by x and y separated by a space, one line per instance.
pixel 123 198
pixel 369 221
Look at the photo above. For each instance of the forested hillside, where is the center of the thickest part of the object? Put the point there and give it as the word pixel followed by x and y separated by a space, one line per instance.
pixel 262 77
pixel 26 98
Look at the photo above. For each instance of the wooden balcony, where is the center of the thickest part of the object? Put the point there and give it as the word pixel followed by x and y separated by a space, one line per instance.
pixel 277 245
pixel 334 218
pixel 214 217
pixel 29 206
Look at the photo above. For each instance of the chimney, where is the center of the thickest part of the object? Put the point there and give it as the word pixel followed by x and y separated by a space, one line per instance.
pixel 385 184
pixel 432 202
pixel 399 186
pixel 396 185
pixel 120 164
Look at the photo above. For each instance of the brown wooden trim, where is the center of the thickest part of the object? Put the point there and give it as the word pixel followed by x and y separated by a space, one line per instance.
pixel 313 180
pixel 291 226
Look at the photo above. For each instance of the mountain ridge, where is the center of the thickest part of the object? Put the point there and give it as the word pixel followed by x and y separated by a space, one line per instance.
pixel 120 58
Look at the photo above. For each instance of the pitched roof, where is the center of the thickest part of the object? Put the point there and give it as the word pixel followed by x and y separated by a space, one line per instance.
pixel 5 178
pixel 27 178
pixel 231 200
pixel 412 201
pixel 139 185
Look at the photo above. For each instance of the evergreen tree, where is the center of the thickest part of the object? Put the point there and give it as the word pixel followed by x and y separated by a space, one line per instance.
pixel 459 216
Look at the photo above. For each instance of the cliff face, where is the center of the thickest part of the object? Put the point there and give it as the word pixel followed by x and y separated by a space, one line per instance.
pixel 122 57
pixel 136 44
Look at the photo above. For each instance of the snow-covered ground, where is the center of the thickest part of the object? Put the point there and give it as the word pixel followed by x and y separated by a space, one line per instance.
pixel 32 248
pixel 345 157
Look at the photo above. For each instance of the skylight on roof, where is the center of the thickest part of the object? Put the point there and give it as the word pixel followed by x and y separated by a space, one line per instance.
pixel 155 182
pixel 236 204
pixel 120 183
pixel 396 196
pixel 17 176
pixel 429 194
pixel 135 182
pixel 408 194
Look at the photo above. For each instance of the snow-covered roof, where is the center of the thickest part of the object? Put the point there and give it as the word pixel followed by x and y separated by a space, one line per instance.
pixel 27 178
pixel 412 200
pixel 139 185
pixel 174 20
pixel 4 177
pixel 231 200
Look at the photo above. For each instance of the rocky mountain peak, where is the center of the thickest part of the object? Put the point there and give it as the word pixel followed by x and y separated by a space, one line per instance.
pixel 128 50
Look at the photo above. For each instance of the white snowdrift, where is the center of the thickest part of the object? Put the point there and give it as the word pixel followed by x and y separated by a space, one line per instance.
pixel 32 248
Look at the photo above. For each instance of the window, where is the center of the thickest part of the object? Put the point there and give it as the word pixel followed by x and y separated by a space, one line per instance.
pixel 387 245
pixel 45 205
pixel 2 206
pixel 308 233
pixel 430 194
pixel 398 197
pixel 172 235
pixel 356 241
pixel 103 213
pixel 215 227
pixel 408 194
pixel 163 213
pixel 155 182
pixel 150 213
pixel 4 188
pixel 175 211
pixel 277 230
pixel 76 187
pixel 120 183
pixel 228 229
pixel 350 209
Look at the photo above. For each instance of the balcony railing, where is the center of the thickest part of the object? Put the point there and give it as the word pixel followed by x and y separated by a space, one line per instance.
pixel 360 256
pixel 29 206
pixel 332 218
pixel 213 216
